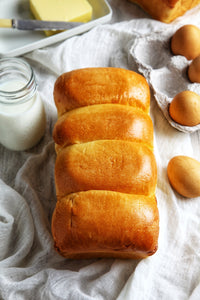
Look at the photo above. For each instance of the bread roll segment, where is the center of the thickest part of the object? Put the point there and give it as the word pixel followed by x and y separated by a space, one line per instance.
pixel 100 223
pixel 91 86
pixel 103 121
pixel 105 170
pixel 106 165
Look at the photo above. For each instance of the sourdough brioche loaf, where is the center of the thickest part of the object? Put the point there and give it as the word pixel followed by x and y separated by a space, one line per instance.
pixel 166 10
pixel 105 170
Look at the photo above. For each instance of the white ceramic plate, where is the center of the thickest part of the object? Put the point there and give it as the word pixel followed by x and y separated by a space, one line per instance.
pixel 15 42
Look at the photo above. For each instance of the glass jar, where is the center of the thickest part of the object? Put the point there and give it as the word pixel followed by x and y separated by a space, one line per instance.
pixel 22 114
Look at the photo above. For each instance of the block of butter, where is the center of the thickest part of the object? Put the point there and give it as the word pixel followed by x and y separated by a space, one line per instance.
pixel 61 10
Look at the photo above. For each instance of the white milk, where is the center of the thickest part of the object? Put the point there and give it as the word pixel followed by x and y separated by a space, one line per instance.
pixel 21 124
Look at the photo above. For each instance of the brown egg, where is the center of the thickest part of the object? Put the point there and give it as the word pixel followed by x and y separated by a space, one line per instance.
pixel 194 70
pixel 186 42
pixel 184 175
pixel 185 108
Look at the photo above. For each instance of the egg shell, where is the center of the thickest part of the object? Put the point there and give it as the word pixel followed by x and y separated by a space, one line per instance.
pixel 185 108
pixel 186 41
pixel 194 70
pixel 184 175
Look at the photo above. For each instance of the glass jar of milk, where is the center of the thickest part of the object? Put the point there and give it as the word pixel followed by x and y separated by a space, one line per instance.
pixel 22 115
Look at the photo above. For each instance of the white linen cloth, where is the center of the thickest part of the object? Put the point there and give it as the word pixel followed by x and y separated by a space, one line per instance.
pixel 29 266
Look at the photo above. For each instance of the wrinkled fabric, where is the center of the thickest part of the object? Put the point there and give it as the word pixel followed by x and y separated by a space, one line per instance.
pixel 30 268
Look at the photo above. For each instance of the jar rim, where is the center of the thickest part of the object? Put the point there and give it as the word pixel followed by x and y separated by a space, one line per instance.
pixel 29 85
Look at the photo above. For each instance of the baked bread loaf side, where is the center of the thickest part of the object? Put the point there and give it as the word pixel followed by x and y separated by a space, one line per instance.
pixel 105 170
pixel 166 10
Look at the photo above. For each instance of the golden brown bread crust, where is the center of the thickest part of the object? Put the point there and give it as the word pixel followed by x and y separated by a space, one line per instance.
pixel 100 86
pixel 103 122
pixel 120 166
pixel 105 171
pixel 105 223
pixel 166 10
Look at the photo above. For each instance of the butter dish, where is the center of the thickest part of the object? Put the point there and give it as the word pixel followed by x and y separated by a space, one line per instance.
pixel 16 43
